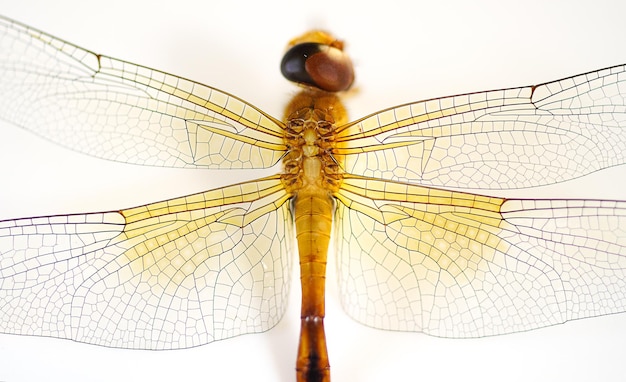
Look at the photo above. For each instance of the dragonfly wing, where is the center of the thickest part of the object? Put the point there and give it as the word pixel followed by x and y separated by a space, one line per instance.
pixel 119 111
pixel 500 139
pixel 173 274
pixel 461 265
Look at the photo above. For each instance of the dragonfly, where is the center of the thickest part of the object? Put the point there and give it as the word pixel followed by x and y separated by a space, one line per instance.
pixel 413 252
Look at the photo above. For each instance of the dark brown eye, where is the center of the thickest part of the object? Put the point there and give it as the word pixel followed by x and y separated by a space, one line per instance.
pixel 319 65
pixel 293 64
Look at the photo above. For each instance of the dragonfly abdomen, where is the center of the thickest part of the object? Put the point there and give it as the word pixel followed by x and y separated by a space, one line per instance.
pixel 313 217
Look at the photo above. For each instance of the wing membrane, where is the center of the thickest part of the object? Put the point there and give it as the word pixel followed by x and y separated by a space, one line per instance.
pixel 174 274
pixel 500 139
pixel 461 265
pixel 116 110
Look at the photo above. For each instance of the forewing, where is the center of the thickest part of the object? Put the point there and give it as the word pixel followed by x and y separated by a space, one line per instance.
pixel 168 275
pixel 500 139
pixel 119 111
pixel 461 265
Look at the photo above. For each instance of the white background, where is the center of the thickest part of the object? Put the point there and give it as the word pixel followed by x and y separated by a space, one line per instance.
pixel 403 51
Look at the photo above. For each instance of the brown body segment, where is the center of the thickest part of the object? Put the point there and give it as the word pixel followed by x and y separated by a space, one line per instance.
pixel 312 175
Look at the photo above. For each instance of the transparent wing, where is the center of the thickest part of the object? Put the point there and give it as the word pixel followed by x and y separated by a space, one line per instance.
pixel 119 111
pixel 461 265
pixel 500 139
pixel 168 275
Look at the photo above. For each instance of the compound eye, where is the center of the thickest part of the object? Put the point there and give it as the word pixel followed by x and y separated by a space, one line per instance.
pixel 322 66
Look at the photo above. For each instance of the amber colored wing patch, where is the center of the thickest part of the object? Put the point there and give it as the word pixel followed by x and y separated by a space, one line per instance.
pixel 458 265
pixel 168 275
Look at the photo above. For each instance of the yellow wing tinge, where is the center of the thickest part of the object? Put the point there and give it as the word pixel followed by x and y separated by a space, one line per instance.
pixel 168 275
pixel 457 230
pixel 177 235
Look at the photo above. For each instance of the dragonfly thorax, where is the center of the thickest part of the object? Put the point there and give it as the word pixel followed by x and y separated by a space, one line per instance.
pixel 310 138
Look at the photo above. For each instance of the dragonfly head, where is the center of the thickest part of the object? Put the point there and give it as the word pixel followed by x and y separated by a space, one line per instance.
pixel 317 59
